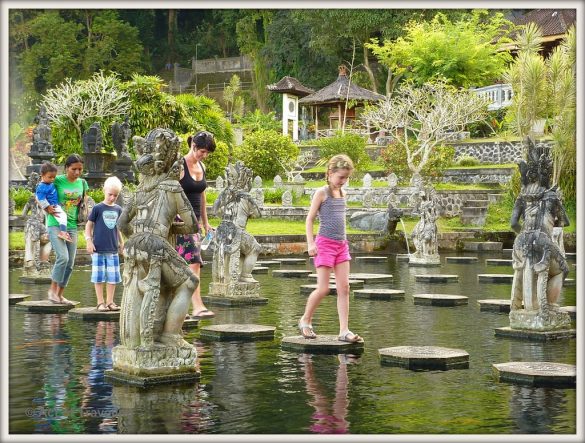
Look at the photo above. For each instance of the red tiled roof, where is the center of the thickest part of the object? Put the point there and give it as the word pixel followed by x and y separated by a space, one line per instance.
pixel 550 21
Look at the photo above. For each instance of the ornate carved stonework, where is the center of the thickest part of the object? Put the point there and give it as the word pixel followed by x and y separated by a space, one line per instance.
pixel 121 134
pixel 377 221
pixel 538 256
pixel 424 234
pixel 157 282
pixel 42 147
pixel 236 251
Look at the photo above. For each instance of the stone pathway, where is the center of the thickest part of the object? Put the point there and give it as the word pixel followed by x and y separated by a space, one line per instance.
pixel 440 299
pixel 436 278
pixel 537 373
pixel 233 331
pixel 424 357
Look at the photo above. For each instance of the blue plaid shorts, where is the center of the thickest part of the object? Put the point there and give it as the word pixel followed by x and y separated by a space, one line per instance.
pixel 105 268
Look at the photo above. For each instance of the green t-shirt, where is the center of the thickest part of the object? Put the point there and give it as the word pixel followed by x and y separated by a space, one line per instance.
pixel 69 197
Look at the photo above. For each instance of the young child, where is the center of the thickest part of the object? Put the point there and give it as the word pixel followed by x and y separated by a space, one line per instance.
pixel 330 249
pixel 46 194
pixel 104 241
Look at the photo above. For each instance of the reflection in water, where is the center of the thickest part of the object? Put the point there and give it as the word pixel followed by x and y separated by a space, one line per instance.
pixel 535 410
pixel 328 418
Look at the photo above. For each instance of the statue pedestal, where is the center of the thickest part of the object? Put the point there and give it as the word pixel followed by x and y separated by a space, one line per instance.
pixel 430 260
pixel 36 276
pixel 156 365
pixel 235 293
pixel 548 320
pixel 123 170
pixel 99 166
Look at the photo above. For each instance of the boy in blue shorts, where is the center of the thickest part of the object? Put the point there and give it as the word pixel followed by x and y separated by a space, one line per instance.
pixel 104 241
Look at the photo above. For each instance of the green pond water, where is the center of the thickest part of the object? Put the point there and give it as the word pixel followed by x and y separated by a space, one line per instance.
pixel 56 367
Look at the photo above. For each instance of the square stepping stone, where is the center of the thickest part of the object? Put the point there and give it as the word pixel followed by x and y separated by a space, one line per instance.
pixel 537 373
pixel 267 263
pixel 260 270
pixel 143 381
pixel 494 305
pixel 44 307
pixel 379 294
pixel 440 299
pixel 436 278
pixel 495 278
pixel 424 357
pixel 569 282
pixel 92 314
pixel 323 344
pixel 498 262
pixel 461 259
pixel 372 259
pixel 526 334
pixel 291 273
pixel 15 298
pixel 233 331
pixel 571 255
pixel 291 261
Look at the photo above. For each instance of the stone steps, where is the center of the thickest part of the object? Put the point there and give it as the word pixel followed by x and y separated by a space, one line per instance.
pixel 474 212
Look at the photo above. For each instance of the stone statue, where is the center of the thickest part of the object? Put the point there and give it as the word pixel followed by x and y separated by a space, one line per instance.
pixel 41 148
pixel 99 164
pixel 236 251
pixel 121 134
pixel 157 282
pixel 92 139
pixel 540 267
pixel 425 233
pixel 37 246
pixel 287 199
pixel 377 221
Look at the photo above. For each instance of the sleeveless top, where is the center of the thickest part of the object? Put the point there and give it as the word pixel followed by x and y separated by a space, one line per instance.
pixel 193 188
pixel 332 217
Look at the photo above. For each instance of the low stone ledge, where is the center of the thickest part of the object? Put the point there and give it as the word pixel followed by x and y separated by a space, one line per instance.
pixel 482 246
pixel 537 373
pixel 526 334
pixel 372 258
pixel 291 273
pixel 45 307
pixel 495 278
pixel 436 278
pixel 260 270
pixel 267 263
pixel 233 331
pixel 323 344
pixel 379 294
pixel 444 300
pixel 424 357
pixel 494 305
pixel 115 376
pixel 234 301
pixel 463 260
pixel 92 314
pixel 498 262
pixel 16 298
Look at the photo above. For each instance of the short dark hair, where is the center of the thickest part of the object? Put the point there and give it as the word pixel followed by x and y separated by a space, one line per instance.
pixel 202 140
pixel 73 158
pixel 47 167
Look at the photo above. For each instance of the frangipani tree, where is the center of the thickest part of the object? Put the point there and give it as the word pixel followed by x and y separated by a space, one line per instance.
pixel 418 117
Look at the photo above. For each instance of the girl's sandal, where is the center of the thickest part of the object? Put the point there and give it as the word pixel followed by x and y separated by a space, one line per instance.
pixel 306 330
pixel 102 307
pixel 113 307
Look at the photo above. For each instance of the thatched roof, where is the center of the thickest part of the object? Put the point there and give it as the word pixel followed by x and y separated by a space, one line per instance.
pixel 337 92
pixel 550 21
pixel 290 85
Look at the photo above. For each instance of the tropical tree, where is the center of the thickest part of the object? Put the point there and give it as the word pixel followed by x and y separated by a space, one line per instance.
pixel 233 99
pixel 418 117
pixel 465 52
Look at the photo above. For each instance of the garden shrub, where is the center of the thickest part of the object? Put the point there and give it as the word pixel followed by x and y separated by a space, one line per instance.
pixel 20 195
pixel 273 195
pixel 467 160
pixel 216 162
pixel 393 157
pixel 263 151
pixel 255 121
pixel 352 145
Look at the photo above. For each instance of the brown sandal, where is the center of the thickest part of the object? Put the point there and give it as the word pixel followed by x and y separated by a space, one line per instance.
pixel 113 307
pixel 102 307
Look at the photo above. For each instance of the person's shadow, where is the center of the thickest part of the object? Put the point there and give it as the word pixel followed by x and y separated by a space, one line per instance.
pixel 329 416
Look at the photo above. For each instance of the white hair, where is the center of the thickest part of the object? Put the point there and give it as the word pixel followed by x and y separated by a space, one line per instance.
pixel 113 183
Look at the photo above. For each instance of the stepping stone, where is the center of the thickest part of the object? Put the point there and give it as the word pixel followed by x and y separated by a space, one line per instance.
pixel 323 344
pixel 92 314
pixel 372 259
pixel 291 273
pixel 190 323
pixel 461 259
pixel 402 257
pixel 267 263
pixel 125 378
pixel 379 294
pixel 436 278
pixel 494 305
pixel 495 278
pixel 498 262
pixel 260 270
pixel 440 299
pixel 507 253
pixel 482 246
pixel 371 278
pixel 424 357
pixel 572 310
pixel 527 334
pixel 35 280
pixel 15 298
pixel 291 261
pixel 569 282
pixel 233 301
pixel 307 289
pixel 537 373
pixel 44 307
pixel 232 331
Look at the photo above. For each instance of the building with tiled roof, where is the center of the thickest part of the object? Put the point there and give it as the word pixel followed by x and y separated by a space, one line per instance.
pixel 553 23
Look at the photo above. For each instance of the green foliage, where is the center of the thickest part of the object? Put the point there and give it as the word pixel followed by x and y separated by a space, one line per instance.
pixel 352 145
pixel 216 162
pixel 20 196
pixel 493 124
pixel 394 158
pixel 233 98
pixel 273 195
pixel 467 160
pixel 257 120
pixel 465 52
pixel 265 151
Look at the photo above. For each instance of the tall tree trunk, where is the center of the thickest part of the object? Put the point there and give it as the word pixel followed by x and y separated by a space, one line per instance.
pixel 369 70
pixel 172 28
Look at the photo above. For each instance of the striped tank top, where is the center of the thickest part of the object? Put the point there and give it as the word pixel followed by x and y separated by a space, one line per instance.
pixel 332 217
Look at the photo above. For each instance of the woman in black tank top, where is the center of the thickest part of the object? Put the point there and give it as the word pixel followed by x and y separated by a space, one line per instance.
pixel 193 182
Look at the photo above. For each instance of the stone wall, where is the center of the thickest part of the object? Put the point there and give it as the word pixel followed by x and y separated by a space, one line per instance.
pixel 483 175
pixel 493 152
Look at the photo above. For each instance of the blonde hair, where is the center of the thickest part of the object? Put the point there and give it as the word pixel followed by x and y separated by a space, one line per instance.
pixel 113 183
pixel 337 162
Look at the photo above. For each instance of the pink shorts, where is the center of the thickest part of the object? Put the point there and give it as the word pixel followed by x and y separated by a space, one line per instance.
pixel 331 252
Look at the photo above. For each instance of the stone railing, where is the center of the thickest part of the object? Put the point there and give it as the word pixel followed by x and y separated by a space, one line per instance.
pixel 499 95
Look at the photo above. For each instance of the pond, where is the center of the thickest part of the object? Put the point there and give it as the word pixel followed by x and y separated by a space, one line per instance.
pixel 56 368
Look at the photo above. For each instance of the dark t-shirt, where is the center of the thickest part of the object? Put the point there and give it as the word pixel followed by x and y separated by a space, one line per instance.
pixel 105 232
pixel 193 188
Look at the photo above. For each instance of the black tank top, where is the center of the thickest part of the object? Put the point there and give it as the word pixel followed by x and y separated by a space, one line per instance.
pixel 193 188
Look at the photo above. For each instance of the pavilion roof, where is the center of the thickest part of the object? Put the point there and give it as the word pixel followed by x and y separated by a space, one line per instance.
pixel 290 85
pixel 338 92
pixel 550 21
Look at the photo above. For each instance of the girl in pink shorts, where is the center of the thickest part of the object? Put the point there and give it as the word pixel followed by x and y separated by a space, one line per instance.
pixel 330 249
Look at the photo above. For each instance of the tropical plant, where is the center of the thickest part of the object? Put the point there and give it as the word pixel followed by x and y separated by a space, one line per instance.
pixel 233 100
pixel 257 120
pixel 353 145
pixel 394 159
pixel 216 162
